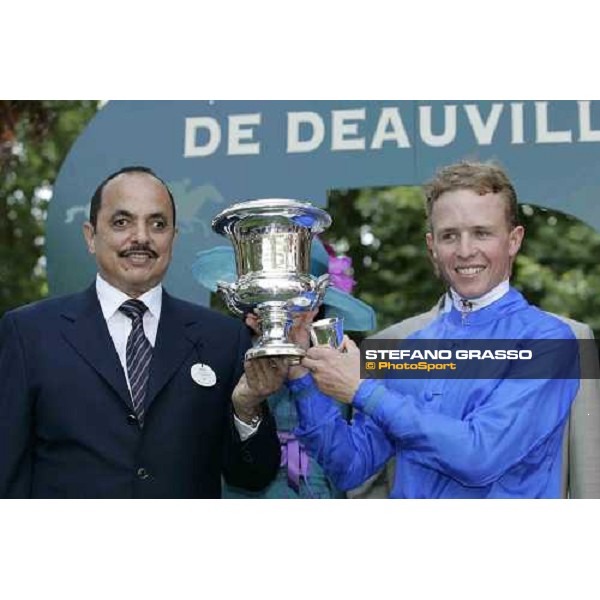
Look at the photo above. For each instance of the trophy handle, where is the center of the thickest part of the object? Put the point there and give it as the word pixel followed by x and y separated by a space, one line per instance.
pixel 227 291
pixel 309 300
pixel 320 289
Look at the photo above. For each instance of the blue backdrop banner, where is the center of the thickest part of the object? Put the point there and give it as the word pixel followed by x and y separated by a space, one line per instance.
pixel 214 153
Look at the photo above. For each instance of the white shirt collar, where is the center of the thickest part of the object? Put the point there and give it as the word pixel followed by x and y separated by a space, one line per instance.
pixel 111 298
pixel 473 304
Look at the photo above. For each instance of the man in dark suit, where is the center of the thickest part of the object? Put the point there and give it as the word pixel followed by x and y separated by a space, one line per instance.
pixel 123 391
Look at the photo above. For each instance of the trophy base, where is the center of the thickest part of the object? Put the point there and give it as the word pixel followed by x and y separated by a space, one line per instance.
pixel 290 351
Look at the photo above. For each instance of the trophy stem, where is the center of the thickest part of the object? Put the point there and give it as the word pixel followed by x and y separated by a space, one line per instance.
pixel 275 322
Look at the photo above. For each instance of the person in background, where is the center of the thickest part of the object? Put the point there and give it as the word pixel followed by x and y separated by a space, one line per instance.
pixel 299 476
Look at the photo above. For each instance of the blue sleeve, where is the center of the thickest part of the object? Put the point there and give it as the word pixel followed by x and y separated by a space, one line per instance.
pixel 15 415
pixel 515 417
pixel 348 453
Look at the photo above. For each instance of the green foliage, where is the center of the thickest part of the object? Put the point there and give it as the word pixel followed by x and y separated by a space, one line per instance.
pixel 383 230
pixel 35 137
pixel 557 268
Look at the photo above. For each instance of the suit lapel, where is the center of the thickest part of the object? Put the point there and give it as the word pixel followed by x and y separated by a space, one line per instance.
pixel 84 327
pixel 174 342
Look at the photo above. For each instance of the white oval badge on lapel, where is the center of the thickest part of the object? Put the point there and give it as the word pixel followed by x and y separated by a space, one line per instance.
pixel 203 375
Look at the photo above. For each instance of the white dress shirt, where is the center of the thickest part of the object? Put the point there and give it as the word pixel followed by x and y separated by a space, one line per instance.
pixel 453 299
pixel 119 326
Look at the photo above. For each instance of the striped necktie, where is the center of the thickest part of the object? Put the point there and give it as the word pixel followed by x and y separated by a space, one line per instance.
pixel 138 354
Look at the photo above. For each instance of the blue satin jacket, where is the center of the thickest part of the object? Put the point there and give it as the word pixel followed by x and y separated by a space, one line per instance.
pixel 461 438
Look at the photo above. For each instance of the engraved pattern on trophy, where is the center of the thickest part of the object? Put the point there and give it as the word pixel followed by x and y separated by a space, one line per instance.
pixel 272 241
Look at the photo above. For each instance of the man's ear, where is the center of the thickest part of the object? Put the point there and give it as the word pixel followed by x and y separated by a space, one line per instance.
pixel 515 238
pixel 89 233
pixel 429 242
pixel 432 254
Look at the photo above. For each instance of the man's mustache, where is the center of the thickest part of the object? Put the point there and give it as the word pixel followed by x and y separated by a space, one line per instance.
pixel 138 249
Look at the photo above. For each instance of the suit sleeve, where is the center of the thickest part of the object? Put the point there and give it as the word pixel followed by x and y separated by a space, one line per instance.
pixel 15 414
pixel 254 463
pixel 584 425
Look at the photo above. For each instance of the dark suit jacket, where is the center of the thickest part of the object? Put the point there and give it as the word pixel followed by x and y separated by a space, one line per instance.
pixel 66 423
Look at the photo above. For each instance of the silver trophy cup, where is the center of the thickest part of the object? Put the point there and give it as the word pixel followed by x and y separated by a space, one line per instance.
pixel 272 241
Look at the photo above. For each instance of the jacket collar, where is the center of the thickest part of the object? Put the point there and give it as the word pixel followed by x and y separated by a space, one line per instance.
pixel 179 333
pixel 510 302
pixel 85 329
